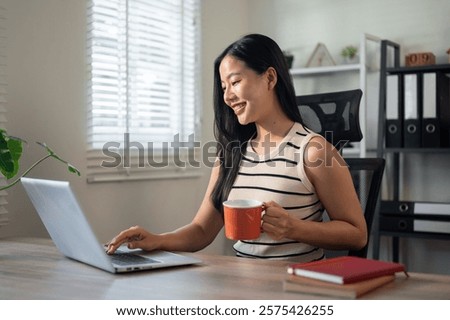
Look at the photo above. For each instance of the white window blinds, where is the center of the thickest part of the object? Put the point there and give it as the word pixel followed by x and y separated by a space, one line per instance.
pixel 3 194
pixel 143 74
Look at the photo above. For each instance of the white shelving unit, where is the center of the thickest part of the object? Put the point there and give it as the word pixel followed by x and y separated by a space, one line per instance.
pixel 362 68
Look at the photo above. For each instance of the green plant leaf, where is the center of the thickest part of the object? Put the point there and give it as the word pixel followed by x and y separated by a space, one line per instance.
pixel 6 163
pixel 15 147
pixel 72 169
pixel 10 153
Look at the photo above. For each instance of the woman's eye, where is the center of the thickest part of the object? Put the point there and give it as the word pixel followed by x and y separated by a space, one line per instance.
pixel 235 82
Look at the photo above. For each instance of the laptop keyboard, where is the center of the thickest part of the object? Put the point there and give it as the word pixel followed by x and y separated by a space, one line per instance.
pixel 124 259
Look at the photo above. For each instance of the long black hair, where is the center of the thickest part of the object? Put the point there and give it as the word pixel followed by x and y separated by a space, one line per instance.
pixel 259 53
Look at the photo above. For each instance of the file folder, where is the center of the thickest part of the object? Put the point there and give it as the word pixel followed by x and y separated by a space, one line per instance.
pixel 411 127
pixel 432 226
pixel 412 224
pixel 431 133
pixel 443 98
pixel 396 207
pixel 440 209
pixel 394 131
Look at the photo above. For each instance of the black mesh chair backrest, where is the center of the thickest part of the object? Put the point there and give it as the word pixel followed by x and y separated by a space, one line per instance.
pixel 334 115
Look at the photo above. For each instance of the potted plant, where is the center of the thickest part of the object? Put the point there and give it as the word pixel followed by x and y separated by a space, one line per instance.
pixel 10 153
pixel 289 58
pixel 349 53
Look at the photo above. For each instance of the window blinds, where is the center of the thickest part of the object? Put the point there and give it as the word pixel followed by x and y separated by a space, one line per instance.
pixel 143 60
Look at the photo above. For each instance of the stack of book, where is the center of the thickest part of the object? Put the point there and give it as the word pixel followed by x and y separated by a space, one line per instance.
pixel 345 277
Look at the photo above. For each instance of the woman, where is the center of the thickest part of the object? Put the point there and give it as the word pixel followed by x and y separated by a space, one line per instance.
pixel 265 153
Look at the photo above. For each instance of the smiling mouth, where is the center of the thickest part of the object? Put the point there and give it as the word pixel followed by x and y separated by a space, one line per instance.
pixel 238 108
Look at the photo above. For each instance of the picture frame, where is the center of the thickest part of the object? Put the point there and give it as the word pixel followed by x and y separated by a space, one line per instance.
pixel 320 57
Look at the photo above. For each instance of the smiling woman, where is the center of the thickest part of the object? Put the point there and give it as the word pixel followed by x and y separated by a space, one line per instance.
pixel 263 153
pixel 265 75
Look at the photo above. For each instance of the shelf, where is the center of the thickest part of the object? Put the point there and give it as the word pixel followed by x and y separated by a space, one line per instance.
pixel 395 181
pixel 417 150
pixel 426 235
pixel 325 70
pixel 366 41
pixel 418 69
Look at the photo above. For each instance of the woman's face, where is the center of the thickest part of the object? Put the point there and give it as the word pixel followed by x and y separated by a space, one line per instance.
pixel 245 91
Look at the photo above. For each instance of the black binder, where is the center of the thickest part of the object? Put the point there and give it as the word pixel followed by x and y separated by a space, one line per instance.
pixel 412 116
pixel 396 224
pixel 394 129
pixel 436 110
pixel 397 207
pixel 414 224
pixel 431 129
pixel 443 104
pixel 440 210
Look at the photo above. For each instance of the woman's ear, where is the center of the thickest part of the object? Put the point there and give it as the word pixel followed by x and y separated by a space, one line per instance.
pixel 272 77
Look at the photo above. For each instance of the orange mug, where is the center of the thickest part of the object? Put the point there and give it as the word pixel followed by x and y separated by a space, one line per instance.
pixel 242 219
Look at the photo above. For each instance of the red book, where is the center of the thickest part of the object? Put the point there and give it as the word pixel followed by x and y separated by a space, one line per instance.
pixel 345 269
pixel 351 290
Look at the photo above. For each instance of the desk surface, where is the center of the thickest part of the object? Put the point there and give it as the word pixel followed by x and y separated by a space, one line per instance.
pixel 34 269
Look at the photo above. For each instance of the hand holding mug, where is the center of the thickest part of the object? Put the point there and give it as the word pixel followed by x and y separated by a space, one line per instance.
pixel 276 222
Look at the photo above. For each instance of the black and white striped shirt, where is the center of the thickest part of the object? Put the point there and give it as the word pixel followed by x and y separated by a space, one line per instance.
pixel 279 176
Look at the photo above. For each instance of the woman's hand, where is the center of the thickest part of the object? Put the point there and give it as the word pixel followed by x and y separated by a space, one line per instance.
pixel 277 223
pixel 136 238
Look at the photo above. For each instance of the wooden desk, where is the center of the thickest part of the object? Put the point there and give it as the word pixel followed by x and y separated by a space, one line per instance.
pixel 34 269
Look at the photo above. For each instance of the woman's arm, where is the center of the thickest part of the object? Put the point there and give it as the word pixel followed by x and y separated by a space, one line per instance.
pixel 193 237
pixel 332 181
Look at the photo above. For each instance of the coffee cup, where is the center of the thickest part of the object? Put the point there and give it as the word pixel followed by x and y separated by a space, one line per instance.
pixel 242 219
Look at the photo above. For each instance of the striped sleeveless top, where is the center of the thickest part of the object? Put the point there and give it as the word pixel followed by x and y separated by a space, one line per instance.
pixel 280 177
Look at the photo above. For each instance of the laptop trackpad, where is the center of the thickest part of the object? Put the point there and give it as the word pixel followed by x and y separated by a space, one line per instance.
pixel 126 258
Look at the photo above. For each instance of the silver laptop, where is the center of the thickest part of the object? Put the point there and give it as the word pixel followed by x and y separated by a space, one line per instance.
pixel 67 225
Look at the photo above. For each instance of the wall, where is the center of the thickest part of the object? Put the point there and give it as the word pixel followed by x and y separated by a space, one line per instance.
pixel 46 95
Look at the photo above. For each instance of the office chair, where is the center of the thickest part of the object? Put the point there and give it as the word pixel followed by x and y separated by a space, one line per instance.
pixel 335 116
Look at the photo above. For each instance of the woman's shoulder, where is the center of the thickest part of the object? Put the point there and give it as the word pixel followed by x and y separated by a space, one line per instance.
pixel 303 134
pixel 319 152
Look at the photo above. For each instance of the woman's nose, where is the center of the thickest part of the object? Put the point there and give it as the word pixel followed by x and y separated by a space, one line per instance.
pixel 228 96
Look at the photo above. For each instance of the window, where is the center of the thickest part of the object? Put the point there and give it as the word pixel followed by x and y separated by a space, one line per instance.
pixel 143 97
